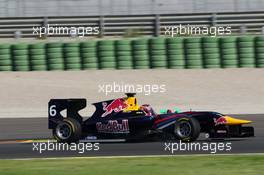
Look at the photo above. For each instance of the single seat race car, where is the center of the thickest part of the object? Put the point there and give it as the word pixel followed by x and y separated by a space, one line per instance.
pixel 123 118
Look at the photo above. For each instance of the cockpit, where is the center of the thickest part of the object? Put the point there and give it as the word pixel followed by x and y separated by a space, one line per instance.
pixel 132 105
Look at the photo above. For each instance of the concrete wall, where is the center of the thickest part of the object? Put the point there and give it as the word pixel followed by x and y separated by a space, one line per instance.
pixel 19 8
pixel 240 91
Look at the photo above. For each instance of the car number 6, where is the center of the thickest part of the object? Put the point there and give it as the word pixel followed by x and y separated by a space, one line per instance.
pixel 52 110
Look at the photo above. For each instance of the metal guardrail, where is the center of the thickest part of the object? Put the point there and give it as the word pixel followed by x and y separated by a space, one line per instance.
pixel 149 25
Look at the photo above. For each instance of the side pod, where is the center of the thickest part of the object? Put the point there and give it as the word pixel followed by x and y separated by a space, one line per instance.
pixel 72 107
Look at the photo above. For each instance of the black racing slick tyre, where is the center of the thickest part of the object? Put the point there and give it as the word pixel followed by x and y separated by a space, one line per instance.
pixel 187 129
pixel 68 131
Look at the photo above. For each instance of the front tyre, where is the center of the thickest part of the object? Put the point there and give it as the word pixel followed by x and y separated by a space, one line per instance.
pixel 68 131
pixel 187 129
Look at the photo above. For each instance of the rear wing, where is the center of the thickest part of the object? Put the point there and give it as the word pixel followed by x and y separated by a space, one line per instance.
pixel 72 107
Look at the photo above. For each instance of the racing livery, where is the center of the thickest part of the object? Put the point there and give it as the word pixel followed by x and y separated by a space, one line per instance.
pixel 124 118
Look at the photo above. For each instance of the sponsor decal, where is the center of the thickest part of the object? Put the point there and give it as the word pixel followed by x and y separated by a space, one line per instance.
pixel 116 105
pixel 220 121
pixel 90 138
pixel 112 126
pixel 221 131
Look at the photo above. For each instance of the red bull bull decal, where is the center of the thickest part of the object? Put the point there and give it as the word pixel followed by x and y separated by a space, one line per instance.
pixel 116 105
pixel 220 121
pixel 113 127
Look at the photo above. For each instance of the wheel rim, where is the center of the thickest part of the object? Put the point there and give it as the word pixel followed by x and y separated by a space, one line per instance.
pixel 184 129
pixel 63 131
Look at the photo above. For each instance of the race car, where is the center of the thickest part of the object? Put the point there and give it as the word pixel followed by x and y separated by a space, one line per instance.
pixel 123 118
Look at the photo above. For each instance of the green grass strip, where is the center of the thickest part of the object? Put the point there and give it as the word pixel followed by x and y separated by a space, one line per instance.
pixel 187 165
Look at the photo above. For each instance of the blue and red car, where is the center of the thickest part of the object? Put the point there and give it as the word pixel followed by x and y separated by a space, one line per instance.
pixel 123 118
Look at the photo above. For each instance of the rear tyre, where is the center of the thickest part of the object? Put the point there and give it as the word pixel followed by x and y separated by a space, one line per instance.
pixel 187 129
pixel 68 131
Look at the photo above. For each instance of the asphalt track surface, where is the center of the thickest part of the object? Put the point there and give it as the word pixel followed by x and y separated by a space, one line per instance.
pixel 36 128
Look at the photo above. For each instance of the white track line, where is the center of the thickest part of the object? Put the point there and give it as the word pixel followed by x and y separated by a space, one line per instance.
pixel 81 141
pixel 141 156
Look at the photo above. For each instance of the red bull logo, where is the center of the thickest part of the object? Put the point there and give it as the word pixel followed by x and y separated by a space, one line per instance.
pixel 116 105
pixel 220 121
pixel 113 127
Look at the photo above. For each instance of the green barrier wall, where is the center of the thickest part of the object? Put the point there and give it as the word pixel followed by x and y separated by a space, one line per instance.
pixel 151 53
